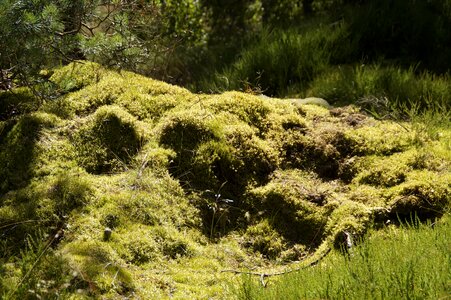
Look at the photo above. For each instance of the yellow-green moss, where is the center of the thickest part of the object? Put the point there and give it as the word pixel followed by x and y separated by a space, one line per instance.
pixel 93 86
pixel 384 171
pixel 137 245
pixel 262 238
pixel 250 109
pixel 351 217
pixel 100 267
pixel 250 159
pixel 295 203
pixel 424 193
pixel 381 138
pixel 78 75
pixel 185 131
pixel 43 206
pixel 20 149
pixel 190 185
pixel 108 140
pixel 17 102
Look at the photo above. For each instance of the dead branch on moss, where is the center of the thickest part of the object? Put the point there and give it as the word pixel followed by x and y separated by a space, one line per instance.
pixel 264 275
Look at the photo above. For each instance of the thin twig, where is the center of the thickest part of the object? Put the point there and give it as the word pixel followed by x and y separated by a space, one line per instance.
pixel 263 275
pixel 18 223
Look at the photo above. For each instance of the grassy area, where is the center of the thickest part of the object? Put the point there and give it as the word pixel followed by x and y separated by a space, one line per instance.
pixel 318 62
pixel 412 261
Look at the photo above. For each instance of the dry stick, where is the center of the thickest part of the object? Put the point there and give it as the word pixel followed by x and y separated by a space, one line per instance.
pixel 263 275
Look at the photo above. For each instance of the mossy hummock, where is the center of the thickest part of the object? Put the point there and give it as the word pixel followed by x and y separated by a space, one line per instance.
pixel 187 185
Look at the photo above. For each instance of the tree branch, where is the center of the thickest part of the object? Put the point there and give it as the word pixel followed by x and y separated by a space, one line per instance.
pixel 264 275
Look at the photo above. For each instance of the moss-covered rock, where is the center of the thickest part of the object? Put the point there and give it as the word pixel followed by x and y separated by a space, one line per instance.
pixel 20 150
pixel 91 86
pixel 350 218
pixel 424 193
pixel 108 141
pixel 17 102
pixel 77 75
pixel 296 204
pixel 99 266
pixel 262 238
pixel 380 138
pixel 384 171
pixel 145 190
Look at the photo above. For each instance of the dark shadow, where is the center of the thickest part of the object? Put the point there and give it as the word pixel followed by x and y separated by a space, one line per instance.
pixel 18 152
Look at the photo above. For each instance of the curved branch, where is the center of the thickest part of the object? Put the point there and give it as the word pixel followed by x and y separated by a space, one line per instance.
pixel 264 275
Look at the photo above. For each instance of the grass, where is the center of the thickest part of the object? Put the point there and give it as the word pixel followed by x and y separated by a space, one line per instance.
pixel 371 85
pixel 280 61
pixel 407 262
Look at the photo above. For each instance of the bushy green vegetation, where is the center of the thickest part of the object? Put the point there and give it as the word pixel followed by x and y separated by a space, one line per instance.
pixel 126 186
pixel 410 261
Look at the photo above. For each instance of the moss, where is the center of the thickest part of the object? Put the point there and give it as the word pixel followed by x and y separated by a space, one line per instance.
pixel 137 245
pixel 78 75
pixel 309 152
pixel 433 157
pixel 240 159
pixel 351 217
pixel 384 171
pixel 42 207
pixel 99 266
pixel 351 116
pixel 185 131
pixel 315 112
pixel 251 110
pixel 19 151
pixel 5 128
pixel 148 107
pixel 424 193
pixel 382 138
pixel 194 184
pixel 17 102
pixel 92 86
pixel 262 238
pixel 69 191
pixel 188 133
pixel 172 243
pixel 371 196
pixel 295 203
pixel 88 99
pixel 154 157
pixel 108 140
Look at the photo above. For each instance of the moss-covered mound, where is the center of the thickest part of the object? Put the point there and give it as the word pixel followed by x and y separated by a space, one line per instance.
pixel 127 187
